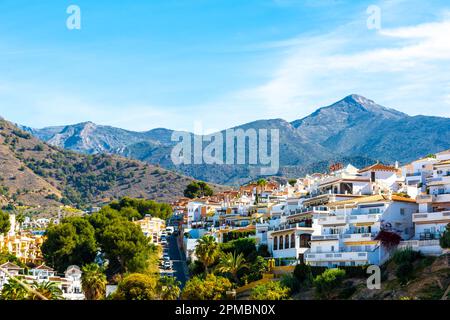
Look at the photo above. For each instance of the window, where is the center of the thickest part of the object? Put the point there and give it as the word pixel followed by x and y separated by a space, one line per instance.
pixel 293 240
pixel 332 248
pixel 286 241
pixel 402 211
pixel 372 176
pixel 275 243
pixel 281 243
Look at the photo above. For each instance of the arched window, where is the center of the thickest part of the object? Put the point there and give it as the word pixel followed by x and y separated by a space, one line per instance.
pixel 275 243
pixel 281 243
pixel 293 240
pixel 286 241
pixel 305 240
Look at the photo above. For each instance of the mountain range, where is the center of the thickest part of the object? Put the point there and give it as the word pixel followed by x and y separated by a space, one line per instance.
pixel 353 130
pixel 34 173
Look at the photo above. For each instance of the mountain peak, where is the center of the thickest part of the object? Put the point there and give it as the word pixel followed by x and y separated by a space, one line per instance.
pixel 358 99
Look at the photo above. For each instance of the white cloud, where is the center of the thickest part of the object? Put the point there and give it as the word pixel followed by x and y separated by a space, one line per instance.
pixel 406 67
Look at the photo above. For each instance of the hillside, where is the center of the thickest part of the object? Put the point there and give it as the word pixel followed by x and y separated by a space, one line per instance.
pixel 35 173
pixel 352 129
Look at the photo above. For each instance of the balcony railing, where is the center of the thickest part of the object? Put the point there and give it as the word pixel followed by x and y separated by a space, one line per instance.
pixel 354 218
pixel 431 216
pixel 290 226
pixel 325 237
pixel 339 256
pixel 415 174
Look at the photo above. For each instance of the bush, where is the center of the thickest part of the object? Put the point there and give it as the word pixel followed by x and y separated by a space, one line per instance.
pixel 406 256
pixel 316 271
pixel 210 288
pixel 272 290
pixel 136 287
pixel 303 274
pixel 404 272
pixel 445 239
pixel 291 282
pixel 328 281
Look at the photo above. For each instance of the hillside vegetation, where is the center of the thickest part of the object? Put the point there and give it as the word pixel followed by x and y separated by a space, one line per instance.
pixel 35 173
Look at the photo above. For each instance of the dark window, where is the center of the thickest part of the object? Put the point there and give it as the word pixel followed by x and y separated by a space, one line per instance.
pixel 281 243
pixel 275 243
pixel 293 240
pixel 372 176
pixel 286 241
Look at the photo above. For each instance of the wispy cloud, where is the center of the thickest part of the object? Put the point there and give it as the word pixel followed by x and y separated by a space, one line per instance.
pixel 407 68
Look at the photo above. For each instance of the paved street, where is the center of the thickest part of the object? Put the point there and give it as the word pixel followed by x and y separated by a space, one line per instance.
pixel 179 261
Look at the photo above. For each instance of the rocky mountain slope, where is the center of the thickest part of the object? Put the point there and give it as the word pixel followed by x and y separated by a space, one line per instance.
pixel 354 129
pixel 38 174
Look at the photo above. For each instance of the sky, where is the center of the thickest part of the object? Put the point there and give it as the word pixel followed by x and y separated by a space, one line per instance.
pixel 181 64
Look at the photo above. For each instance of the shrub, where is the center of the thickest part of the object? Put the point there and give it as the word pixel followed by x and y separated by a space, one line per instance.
pixel 303 274
pixel 136 287
pixel 445 239
pixel 406 256
pixel 404 272
pixel 210 288
pixel 328 281
pixel 272 290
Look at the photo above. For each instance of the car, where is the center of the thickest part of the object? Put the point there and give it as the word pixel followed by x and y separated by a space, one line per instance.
pixel 170 230
pixel 168 265
pixel 166 258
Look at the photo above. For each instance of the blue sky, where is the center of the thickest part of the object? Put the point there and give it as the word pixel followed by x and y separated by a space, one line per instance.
pixel 217 63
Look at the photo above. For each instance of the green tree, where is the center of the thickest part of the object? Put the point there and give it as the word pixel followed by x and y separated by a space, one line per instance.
pixel 272 290
pixel 261 183
pixel 93 282
pixel 329 280
pixel 137 286
pixel 70 243
pixel 125 246
pixel 445 239
pixel 207 251
pixel 232 263
pixel 197 189
pixel 4 222
pixel 169 288
pixel 13 291
pixel 49 290
pixel 210 287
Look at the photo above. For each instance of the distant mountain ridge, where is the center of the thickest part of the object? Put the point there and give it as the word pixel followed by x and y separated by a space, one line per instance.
pixel 34 173
pixel 353 128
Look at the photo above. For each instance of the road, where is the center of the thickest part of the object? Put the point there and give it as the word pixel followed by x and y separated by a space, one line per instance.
pixel 179 261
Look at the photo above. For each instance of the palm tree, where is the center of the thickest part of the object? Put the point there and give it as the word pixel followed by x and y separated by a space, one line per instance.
pixel 232 263
pixel 169 288
pixel 93 282
pixel 207 251
pixel 14 291
pixel 261 183
pixel 48 289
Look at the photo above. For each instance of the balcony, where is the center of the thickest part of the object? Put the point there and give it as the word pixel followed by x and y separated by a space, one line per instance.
pixel 443 197
pixel 431 217
pixel 294 226
pixel 364 218
pixel 415 174
pixel 337 257
pixel 325 237
pixel 357 237
pixel 429 236
pixel 333 220
pixel 424 198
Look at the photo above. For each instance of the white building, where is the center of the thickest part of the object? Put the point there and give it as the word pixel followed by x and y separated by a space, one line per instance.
pixel 347 237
